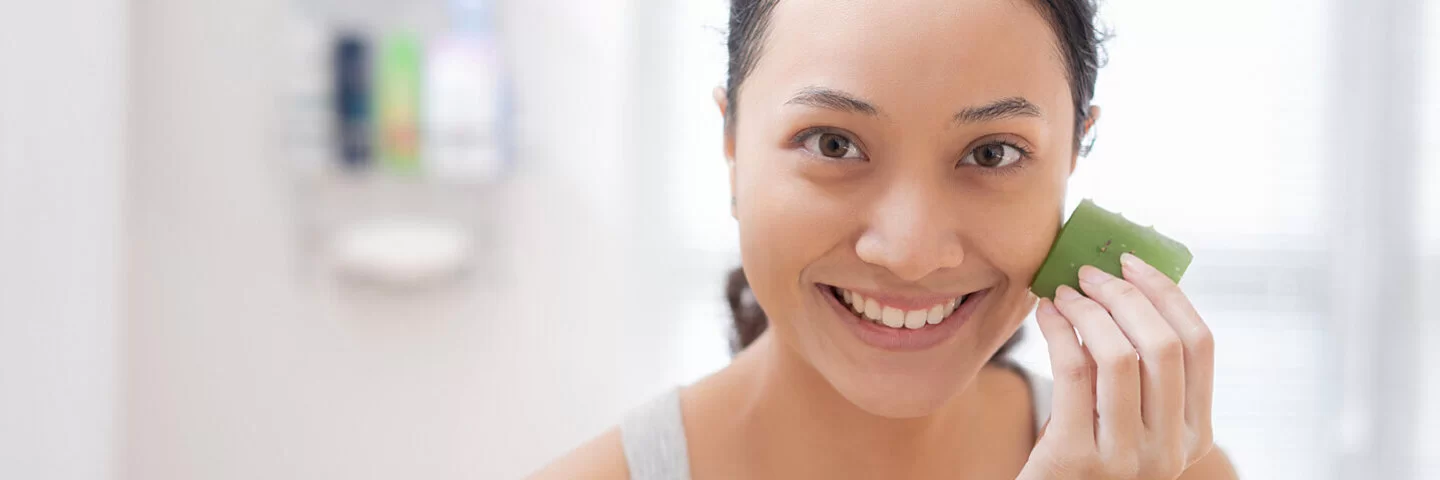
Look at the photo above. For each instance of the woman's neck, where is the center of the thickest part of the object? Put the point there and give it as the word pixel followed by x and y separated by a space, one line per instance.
pixel 794 416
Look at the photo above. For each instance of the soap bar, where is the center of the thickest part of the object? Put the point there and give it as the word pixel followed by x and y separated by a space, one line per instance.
pixel 1096 237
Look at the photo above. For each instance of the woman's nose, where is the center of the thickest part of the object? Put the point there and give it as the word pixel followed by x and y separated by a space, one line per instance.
pixel 911 234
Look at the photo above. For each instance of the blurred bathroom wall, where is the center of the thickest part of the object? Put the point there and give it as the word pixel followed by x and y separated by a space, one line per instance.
pixel 248 357
pixel 176 301
pixel 1428 382
pixel 62 145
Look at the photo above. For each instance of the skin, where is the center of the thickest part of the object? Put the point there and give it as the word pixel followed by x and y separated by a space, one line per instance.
pixel 912 215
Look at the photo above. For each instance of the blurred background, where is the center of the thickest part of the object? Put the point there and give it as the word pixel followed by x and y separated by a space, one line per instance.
pixel 315 239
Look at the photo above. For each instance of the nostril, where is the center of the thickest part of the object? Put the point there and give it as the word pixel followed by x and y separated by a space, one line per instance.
pixel 911 257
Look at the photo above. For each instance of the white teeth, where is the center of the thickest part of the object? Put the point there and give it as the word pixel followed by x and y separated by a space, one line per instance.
pixel 915 319
pixel 894 317
pixel 872 309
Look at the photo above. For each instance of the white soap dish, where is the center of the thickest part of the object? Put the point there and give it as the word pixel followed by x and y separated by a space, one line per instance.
pixel 401 252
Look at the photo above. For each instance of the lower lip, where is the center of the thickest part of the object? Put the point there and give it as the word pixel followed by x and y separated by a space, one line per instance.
pixel 903 339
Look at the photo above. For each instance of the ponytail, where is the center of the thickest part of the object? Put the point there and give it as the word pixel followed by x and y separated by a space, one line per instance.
pixel 750 320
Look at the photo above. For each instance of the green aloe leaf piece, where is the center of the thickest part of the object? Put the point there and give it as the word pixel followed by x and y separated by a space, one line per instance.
pixel 1094 236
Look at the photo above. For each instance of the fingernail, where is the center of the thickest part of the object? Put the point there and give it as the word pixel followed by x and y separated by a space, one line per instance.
pixel 1093 276
pixel 1064 293
pixel 1130 261
pixel 1048 306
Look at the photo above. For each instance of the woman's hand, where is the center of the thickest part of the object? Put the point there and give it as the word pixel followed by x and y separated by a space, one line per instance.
pixel 1115 414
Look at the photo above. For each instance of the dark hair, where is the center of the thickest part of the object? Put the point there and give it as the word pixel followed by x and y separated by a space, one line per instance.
pixel 1079 44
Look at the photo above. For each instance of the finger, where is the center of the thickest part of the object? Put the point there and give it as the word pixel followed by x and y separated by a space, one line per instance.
pixel 1162 356
pixel 1199 344
pixel 1117 386
pixel 1072 408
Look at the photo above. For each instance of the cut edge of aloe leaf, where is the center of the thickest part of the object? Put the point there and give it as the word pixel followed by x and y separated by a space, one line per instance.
pixel 1095 236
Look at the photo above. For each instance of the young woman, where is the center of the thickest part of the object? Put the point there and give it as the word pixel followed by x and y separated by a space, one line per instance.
pixel 898 171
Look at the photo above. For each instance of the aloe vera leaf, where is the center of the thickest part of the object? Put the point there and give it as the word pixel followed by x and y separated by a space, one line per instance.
pixel 1094 236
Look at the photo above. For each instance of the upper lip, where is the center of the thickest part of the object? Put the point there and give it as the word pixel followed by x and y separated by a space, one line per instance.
pixel 906 300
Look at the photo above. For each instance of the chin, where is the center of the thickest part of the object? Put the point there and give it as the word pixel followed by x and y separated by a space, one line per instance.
pixel 903 394
pixel 912 383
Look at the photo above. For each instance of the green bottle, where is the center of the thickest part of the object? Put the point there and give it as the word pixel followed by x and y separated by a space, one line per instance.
pixel 398 101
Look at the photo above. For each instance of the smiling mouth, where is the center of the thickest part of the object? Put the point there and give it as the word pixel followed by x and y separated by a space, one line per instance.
pixel 895 317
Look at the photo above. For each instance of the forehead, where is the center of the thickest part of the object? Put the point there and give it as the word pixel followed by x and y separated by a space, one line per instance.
pixel 913 56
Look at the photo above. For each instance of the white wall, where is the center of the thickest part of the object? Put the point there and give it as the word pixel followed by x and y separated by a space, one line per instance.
pixel 61 151
pixel 246 360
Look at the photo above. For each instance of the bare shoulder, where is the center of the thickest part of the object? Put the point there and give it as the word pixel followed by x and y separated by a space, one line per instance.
pixel 1213 466
pixel 601 458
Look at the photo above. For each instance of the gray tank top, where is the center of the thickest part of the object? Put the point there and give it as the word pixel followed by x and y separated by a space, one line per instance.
pixel 654 434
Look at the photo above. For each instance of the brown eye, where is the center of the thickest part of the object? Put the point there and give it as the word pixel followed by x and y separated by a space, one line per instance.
pixel 993 155
pixel 832 145
pixel 990 155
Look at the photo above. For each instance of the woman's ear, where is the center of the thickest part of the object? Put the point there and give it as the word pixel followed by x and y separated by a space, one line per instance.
pixel 1094 117
pixel 1085 136
pixel 722 101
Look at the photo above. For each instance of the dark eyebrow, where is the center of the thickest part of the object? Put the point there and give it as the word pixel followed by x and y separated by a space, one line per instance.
pixel 997 110
pixel 822 97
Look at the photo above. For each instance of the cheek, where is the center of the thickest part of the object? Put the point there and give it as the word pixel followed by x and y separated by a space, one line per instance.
pixel 1023 242
pixel 1015 243
pixel 1021 227
pixel 786 224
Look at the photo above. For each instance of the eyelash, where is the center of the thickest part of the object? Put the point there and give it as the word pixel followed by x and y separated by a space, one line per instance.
pixel 798 140
pixel 1026 154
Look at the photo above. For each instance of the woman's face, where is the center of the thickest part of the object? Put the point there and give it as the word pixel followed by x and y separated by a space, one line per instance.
pixel 914 153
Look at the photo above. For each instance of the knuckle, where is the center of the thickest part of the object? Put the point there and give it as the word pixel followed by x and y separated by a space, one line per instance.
pixel 1165 467
pixel 1124 465
pixel 1201 340
pixel 1123 290
pixel 1094 467
pixel 1170 293
pixel 1168 348
pixel 1075 371
pixel 1085 306
pixel 1076 460
pixel 1073 461
pixel 1120 361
